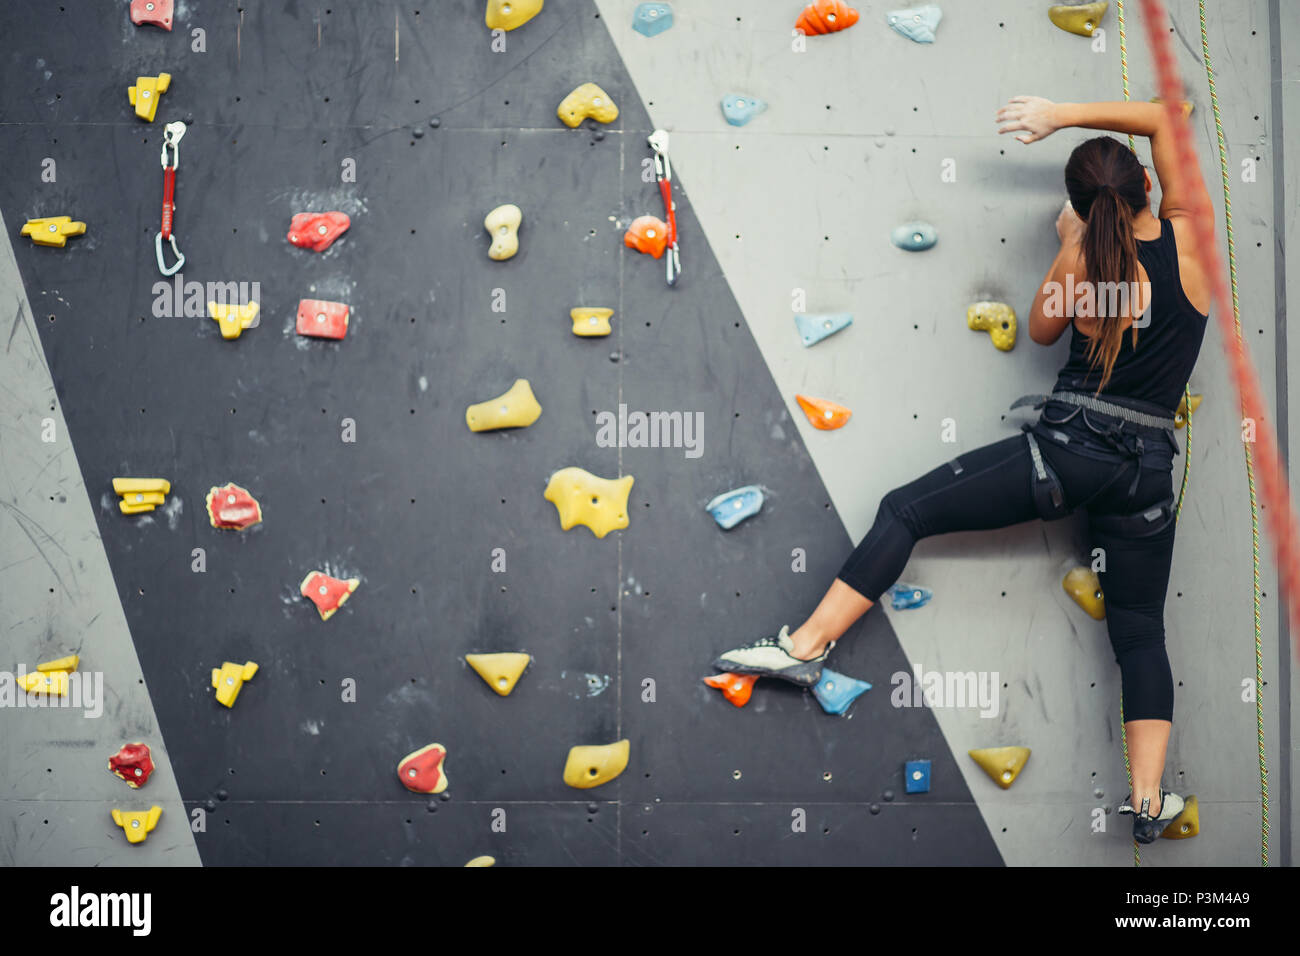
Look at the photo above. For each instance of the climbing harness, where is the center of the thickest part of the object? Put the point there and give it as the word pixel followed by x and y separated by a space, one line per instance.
pixel 664 176
pixel 172 134
pixel 1099 405
pixel 1049 496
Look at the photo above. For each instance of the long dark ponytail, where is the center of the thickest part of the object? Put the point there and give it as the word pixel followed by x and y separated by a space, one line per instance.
pixel 1107 189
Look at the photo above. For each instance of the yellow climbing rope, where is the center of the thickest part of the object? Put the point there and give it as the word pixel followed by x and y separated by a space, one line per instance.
pixel 1187 461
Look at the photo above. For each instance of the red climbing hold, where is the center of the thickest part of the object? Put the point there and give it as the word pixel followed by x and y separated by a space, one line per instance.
pixel 826 16
pixel 318 230
pixel 322 319
pixel 155 12
pixel 422 770
pixel 647 234
pixel 327 593
pixel 230 506
pixel 133 763
pixel 735 687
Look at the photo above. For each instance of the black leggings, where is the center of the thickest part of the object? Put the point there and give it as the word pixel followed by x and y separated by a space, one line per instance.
pixel 993 490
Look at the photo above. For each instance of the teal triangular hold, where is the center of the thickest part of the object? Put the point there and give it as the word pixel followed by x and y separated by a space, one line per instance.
pixel 814 328
pixel 916 23
pixel 836 693
pixel 739 109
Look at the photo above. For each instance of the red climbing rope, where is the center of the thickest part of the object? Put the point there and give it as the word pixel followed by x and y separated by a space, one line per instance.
pixel 1277 500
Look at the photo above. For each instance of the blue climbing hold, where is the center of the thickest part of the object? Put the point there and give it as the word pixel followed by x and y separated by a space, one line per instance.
pixel 731 508
pixel 917 773
pixel 836 693
pixel 916 23
pixel 814 328
pixel 739 110
pixel 904 597
pixel 915 236
pixel 652 19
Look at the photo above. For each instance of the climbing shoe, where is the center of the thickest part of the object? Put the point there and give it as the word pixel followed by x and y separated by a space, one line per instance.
pixel 1146 828
pixel 774 657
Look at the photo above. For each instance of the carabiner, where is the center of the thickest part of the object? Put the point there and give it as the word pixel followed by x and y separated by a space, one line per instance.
pixel 658 141
pixel 172 134
pixel 158 248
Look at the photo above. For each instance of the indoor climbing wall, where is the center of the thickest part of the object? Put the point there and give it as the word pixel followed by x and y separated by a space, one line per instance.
pixel 420 125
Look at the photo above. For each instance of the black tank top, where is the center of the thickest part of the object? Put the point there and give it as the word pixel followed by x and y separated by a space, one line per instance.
pixel 1158 369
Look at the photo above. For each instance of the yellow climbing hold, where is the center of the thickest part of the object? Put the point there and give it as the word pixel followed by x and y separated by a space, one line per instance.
pixel 510 14
pixel 1187 106
pixel 233 319
pixel 517 408
pixel 589 767
pixel 137 824
pixel 229 679
pixel 587 101
pixel 1084 586
pixel 582 498
pixel 1180 416
pixel 997 319
pixel 591 322
pixel 1003 764
pixel 51 677
pixel 502 225
pixel 53 230
pixel 145 94
pixel 140 494
pixel 1186 824
pixel 501 671
pixel 484 860
pixel 1081 18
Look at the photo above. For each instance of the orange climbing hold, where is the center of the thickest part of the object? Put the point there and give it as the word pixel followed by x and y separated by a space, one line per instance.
pixel 647 234
pixel 826 16
pixel 735 687
pixel 823 414
pixel 327 593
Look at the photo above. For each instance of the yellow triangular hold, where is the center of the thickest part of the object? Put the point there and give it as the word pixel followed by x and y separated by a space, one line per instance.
pixel 501 671
pixel 1080 18
pixel 1186 824
pixel 482 861
pixel 582 498
pixel 592 766
pixel 137 824
pixel 1084 586
pixel 52 230
pixel 517 408
pixel 50 678
pixel 510 14
pixel 592 322
pixel 233 319
pixel 1003 764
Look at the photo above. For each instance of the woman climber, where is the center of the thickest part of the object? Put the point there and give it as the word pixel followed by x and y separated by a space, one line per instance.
pixel 1103 444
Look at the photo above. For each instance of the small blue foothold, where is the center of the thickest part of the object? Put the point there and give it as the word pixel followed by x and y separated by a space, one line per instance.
pixel 917 773
pixel 652 19
pixel 915 236
pixel 904 597
pixel 739 109
pixel 836 693
pixel 814 328
pixel 731 508
pixel 916 23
